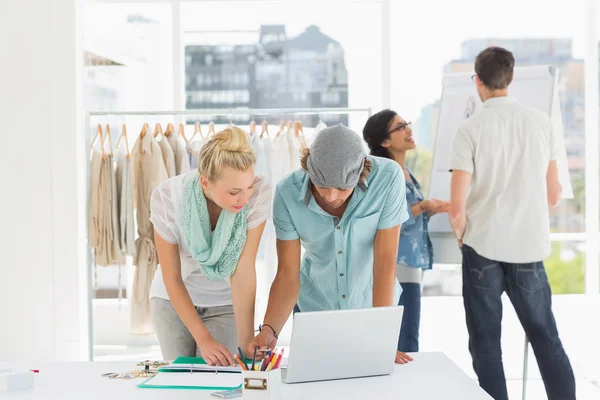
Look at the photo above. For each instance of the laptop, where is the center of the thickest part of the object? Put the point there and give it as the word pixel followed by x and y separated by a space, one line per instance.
pixel 343 344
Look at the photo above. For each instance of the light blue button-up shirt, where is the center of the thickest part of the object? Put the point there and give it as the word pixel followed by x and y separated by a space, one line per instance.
pixel 337 266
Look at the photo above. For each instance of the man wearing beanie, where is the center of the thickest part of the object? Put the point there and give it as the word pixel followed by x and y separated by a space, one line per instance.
pixel 345 209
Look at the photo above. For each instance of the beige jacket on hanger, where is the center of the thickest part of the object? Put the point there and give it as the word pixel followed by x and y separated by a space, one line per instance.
pixel 182 157
pixel 148 170
pixel 125 204
pixel 104 230
pixel 168 156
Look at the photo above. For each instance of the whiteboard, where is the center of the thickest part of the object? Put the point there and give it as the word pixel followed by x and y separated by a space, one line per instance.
pixel 535 87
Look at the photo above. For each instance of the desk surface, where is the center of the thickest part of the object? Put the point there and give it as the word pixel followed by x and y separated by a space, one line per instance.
pixel 430 376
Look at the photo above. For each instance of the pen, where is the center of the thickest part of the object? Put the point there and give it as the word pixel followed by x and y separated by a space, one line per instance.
pixel 254 357
pixel 243 358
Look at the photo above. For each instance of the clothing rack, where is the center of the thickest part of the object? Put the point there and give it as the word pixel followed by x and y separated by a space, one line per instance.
pixel 210 112
pixel 236 111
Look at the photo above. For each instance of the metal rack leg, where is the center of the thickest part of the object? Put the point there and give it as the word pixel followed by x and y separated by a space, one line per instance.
pixel 525 360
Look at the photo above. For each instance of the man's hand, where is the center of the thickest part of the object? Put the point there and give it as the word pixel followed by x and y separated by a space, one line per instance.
pixel 264 340
pixel 459 225
pixel 402 358
pixel 214 353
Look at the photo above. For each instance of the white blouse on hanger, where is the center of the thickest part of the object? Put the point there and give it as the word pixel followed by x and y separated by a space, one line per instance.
pixel 295 150
pixel 166 214
pixel 281 158
pixel 269 152
pixel 260 168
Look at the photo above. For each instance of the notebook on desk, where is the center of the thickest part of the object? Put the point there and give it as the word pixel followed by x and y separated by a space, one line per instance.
pixel 194 373
pixel 343 344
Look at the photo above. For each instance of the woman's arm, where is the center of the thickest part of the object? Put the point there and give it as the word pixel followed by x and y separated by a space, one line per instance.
pixel 243 287
pixel 170 264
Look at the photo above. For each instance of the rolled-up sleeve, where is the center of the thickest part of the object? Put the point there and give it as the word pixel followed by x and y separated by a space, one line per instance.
pixel 394 211
pixel 284 226
pixel 463 152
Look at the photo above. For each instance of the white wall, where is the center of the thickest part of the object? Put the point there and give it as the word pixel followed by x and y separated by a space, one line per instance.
pixel 43 307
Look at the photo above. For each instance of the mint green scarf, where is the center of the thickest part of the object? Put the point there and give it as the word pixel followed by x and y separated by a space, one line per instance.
pixel 218 257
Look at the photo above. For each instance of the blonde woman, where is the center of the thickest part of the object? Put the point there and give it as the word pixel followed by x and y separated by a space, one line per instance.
pixel 207 226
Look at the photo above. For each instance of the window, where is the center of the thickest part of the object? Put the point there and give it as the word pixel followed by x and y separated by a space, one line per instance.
pixel 455 51
pixel 282 56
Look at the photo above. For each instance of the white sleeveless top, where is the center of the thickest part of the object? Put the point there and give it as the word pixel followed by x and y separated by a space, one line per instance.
pixel 166 214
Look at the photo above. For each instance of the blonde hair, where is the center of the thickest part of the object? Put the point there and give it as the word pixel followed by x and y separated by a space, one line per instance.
pixel 364 174
pixel 229 148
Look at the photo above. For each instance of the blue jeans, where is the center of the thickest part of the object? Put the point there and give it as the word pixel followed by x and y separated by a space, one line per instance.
pixel 528 289
pixel 411 318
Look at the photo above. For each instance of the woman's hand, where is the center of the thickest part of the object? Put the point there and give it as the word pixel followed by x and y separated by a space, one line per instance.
pixel 214 353
pixel 402 358
pixel 434 206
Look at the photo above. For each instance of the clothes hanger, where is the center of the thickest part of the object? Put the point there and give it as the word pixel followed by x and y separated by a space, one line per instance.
pixel 281 128
pixel 109 140
pixel 98 134
pixel 298 128
pixel 145 127
pixel 124 135
pixel 197 130
pixel 265 129
pixel 299 133
pixel 182 132
pixel 170 129
pixel 158 130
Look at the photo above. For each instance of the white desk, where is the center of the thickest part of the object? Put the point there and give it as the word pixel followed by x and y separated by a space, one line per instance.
pixel 431 376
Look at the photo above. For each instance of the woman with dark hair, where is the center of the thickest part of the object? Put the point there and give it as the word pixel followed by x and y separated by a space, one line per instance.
pixel 390 136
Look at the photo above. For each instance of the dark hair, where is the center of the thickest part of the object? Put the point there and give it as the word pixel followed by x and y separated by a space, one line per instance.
pixel 376 131
pixel 494 66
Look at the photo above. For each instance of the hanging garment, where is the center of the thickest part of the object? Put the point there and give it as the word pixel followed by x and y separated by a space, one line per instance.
pixel 104 228
pixel 125 204
pixel 281 161
pixel 310 134
pixel 182 159
pixel 269 154
pixel 320 126
pixel 294 148
pixel 193 148
pixel 168 157
pixel 260 168
pixel 148 170
pixel 94 199
pixel 113 228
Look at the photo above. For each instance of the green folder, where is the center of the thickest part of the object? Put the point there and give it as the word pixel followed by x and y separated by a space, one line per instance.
pixel 166 379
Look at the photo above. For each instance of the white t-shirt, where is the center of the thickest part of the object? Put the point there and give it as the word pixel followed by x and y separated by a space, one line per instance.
pixel 166 208
pixel 507 147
